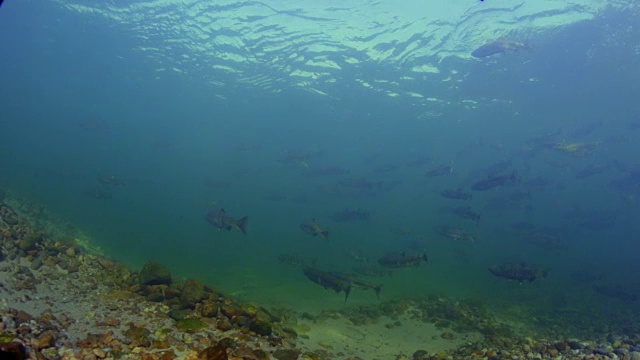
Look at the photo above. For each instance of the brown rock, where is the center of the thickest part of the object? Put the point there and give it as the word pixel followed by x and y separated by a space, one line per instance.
pixel 209 309
pixel 99 353
pixel 286 354
pixel 12 351
pixel 447 335
pixel 47 339
pixel 23 317
pixel 217 352
pixel 112 321
pixel 224 324
pixel 139 336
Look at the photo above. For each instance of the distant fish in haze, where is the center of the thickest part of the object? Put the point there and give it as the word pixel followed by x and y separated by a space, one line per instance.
pixel 311 227
pixel 222 221
pixel 456 194
pixel 110 180
pixel 591 170
pixel 519 272
pixel 453 233
pixel 497 47
pixel 493 181
pixel 466 212
pixel 442 169
pixel 397 260
pixel 352 215
pixel 327 171
pixel 618 291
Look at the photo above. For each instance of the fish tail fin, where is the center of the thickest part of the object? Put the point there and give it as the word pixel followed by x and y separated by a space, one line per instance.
pixel 347 291
pixel 377 289
pixel 425 257
pixel 242 224
pixel 325 234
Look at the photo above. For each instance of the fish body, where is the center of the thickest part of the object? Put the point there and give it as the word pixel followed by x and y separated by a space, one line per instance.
pixel 110 180
pixel 493 181
pixel 441 170
pixel 296 260
pixel 352 215
pixel 497 47
pixel 518 272
pixel 354 281
pixel 453 233
pixel 401 260
pixel 466 212
pixel 222 221
pixel 328 281
pixel 456 194
pixel 312 228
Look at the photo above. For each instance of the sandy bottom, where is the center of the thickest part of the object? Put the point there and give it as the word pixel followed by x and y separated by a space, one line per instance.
pixel 384 340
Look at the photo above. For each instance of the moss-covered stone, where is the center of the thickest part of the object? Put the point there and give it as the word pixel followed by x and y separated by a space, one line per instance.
pixel 139 336
pixel 30 241
pixel 153 273
pixel 191 293
pixel 191 325
pixel 261 327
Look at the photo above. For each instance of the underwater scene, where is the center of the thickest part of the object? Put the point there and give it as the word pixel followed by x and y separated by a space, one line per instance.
pixel 355 179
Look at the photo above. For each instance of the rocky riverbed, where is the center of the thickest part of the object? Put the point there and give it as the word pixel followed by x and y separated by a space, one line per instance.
pixel 62 300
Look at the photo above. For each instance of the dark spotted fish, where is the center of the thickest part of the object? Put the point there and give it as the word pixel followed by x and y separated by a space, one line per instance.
pixel 222 221
pixel 518 272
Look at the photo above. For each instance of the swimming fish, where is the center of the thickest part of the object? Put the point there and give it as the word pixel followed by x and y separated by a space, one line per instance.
pixel 497 47
pixel 312 228
pixel 222 221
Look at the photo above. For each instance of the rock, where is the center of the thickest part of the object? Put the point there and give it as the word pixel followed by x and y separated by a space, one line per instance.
pixel 286 354
pixel 50 353
pixel 217 352
pixel 12 351
pixel 178 315
pixel 192 292
pixel 209 309
pixel 420 355
pixel 37 262
pixel 190 325
pixel 447 335
pixel 155 297
pixel 70 251
pixel 224 324
pixel 153 273
pixel 29 242
pixel 139 336
pixel 260 327
pixel 635 355
pixel 47 339
pixel 23 317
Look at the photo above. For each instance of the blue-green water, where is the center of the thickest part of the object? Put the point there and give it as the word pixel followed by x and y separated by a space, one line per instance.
pixel 137 92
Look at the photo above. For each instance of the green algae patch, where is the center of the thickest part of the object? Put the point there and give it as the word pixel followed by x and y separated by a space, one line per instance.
pixel 7 338
pixel 191 325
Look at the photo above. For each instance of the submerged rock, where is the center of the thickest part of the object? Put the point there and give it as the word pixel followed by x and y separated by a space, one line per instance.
pixel 192 292
pixel 217 352
pixel 154 273
pixel 286 354
pixel 13 350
